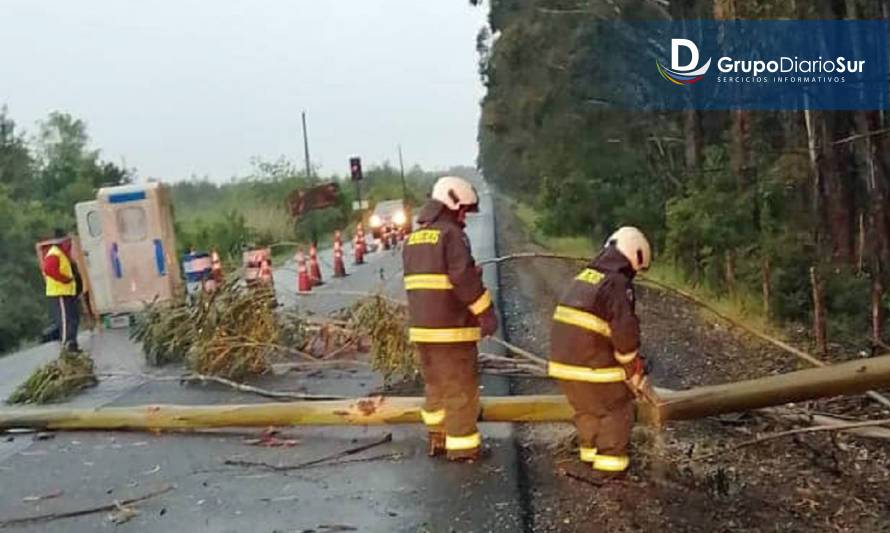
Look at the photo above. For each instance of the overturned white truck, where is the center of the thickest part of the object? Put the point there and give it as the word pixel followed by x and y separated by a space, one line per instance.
pixel 129 247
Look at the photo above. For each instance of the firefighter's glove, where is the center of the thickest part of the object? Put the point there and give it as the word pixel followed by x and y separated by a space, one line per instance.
pixel 636 374
pixel 488 322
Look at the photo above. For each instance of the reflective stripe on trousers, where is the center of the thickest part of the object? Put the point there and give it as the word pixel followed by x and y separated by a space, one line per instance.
pixel 433 418
pixel 469 442
pixel 611 463
pixel 63 322
pixel 587 455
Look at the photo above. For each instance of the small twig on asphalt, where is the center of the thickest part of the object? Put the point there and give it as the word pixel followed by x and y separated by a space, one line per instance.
pixel 351 343
pixel 81 512
pixel 326 459
pixel 204 378
pixel 380 457
pixel 282 368
pixel 280 395
pixel 797 431
pixel 519 351
pixel 331 528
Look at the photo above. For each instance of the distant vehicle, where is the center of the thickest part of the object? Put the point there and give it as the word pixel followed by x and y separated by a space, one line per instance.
pixel 390 217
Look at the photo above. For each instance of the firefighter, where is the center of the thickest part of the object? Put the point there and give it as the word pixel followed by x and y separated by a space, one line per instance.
pixel 595 338
pixel 63 286
pixel 450 311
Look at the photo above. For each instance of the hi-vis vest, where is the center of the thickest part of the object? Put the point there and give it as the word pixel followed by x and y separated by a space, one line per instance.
pixel 56 288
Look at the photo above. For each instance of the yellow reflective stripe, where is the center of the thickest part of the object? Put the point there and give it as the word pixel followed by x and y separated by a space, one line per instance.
pixel 587 454
pixel 479 306
pixel 469 442
pixel 611 463
pixel 625 358
pixel 433 418
pixel 428 281
pixel 589 275
pixel 444 334
pixel 611 374
pixel 582 319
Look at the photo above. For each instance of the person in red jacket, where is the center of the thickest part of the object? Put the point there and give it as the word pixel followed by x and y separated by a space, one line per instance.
pixel 63 286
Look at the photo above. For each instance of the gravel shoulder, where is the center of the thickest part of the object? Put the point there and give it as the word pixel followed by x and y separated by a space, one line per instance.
pixel 811 482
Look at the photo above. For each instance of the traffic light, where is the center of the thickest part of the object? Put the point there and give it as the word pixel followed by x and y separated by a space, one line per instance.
pixel 355 168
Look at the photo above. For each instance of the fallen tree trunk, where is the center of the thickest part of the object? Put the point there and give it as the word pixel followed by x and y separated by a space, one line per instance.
pixel 853 377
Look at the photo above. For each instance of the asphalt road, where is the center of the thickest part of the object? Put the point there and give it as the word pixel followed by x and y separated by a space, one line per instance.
pixel 396 489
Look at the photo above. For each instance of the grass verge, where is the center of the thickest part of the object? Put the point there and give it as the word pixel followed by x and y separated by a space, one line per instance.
pixel 743 306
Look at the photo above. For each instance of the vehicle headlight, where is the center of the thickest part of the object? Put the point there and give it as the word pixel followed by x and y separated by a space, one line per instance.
pixel 375 221
pixel 399 218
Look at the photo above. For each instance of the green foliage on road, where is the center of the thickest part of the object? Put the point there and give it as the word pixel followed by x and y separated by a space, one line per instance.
pixel 41 178
pixel 385 323
pixel 56 380
pixel 231 333
pixel 741 203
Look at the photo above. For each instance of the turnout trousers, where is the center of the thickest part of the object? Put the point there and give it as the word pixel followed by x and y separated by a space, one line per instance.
pixel 604 417
pixel 451 385
pixel 66 315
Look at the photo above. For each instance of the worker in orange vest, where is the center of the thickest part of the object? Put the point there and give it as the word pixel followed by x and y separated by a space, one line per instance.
pixel 63 287
pixel 594 352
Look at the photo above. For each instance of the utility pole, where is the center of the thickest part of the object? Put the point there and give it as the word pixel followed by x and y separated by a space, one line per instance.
pixel 306 148
pixel 402 170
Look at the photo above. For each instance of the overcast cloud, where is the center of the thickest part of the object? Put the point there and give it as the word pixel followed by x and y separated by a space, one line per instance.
pixel 183 87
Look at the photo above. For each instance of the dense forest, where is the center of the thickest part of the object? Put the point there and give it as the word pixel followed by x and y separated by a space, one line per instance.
pixel 744 202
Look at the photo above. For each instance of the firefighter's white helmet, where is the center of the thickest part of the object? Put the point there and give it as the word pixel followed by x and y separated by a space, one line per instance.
pixel 456 192
pixel 633 245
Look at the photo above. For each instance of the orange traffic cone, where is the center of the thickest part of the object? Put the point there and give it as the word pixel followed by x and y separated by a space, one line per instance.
pixel 216 271
pixel 314 269
pixel 360 230
pixel 266 272
pixel 303 282
pixel 339 266
pixel 358 247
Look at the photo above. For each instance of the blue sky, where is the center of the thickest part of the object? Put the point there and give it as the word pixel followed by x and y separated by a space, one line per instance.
pixel 189 87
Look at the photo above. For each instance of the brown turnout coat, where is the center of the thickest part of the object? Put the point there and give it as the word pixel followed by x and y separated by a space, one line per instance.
pixel 604 290
pixel 445 290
